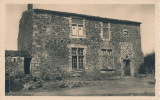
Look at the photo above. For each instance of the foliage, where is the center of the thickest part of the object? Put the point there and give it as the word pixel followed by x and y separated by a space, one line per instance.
pixel 142 69
pixel 24 82
pixel 149 64
pixel 50 73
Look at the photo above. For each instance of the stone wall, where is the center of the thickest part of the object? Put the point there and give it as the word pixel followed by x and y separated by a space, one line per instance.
pixel 134 38
pixel 50 38
pixel 25 32
pixel 14 65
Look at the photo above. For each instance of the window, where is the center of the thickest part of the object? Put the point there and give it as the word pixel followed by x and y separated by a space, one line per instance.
pixel 74 62
pixel 107 60
pixel 125 32
pixel 77 58
pixel 105 31
pixel 109 51
pixel 74 51
pixel 14 59
pixel 80 30
pixel 77 27
pixel 74 30
pixel 106 51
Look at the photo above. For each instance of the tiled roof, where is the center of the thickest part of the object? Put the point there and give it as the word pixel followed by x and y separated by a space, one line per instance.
pixel 12 53
pixel 85 16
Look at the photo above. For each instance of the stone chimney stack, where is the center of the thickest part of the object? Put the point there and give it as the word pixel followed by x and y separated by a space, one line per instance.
pixel 30 6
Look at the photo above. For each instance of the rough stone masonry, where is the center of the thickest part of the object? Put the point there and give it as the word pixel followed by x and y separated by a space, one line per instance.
pixel 77 42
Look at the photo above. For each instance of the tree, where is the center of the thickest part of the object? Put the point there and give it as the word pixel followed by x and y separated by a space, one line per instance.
pixel 149 64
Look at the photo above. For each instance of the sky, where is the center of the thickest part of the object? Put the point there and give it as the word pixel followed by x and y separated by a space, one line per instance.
pixel 144 13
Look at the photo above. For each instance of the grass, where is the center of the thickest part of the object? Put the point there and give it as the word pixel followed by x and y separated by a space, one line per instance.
pixel 123 87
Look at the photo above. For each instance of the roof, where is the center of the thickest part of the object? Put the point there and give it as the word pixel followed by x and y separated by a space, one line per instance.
pixel 68 14
pixel 12 53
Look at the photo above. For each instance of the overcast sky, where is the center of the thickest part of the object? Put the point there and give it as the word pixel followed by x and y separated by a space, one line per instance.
pixel 144 13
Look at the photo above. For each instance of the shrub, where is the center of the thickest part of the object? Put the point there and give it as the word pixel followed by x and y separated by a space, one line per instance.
pixel 149 64
pixel 27 81
pixel 15 85
pixel 52 73
pixel 91 75
pixel 151 82
pixel 142 69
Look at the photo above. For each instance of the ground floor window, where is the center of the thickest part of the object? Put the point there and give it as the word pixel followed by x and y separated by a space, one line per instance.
pixel 77 58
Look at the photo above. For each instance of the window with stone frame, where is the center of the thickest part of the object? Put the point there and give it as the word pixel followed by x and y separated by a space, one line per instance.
pixel 77 27
pixel 107 59
pixel 105 31
pixel 77 58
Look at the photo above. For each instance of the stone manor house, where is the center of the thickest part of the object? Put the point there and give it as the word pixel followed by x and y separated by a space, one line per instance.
pixel 77 42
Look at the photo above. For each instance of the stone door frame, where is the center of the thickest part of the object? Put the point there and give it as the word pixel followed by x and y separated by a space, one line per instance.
pixel 127 54
pixel 125 65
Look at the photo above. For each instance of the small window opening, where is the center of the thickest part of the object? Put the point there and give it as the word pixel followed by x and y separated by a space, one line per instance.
pixel 125 32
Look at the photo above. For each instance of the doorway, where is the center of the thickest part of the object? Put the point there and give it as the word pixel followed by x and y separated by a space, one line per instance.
pixel 27 65
pixel 127 71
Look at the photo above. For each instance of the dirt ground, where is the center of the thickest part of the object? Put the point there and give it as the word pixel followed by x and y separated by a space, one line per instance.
pixel 124 87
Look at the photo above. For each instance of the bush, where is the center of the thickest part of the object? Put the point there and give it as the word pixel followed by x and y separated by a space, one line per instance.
pixel 149 64
pixel 142 69
pixel 91 75
pixel 15 85
pixel 26 82
pixel 151 82
pixel 52 73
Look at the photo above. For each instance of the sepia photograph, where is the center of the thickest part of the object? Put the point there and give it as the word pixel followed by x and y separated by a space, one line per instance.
pixel 80 50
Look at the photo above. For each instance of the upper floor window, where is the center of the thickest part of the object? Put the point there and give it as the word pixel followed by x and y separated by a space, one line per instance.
pixel 109 51
pixel 14 59
pixel 125 32
pixel 105 31
pixel 77 29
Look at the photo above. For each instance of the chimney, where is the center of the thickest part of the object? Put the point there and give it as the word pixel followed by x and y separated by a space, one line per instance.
pixel 30 6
